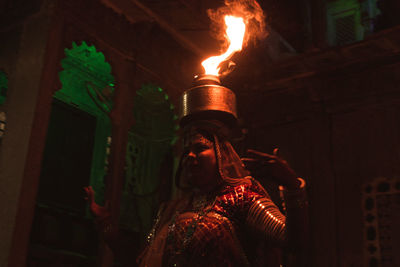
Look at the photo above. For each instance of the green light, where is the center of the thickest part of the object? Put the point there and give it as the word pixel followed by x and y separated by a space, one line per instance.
pixel 85 75
pixel 3 86
pixel 149 141
pixel 84 67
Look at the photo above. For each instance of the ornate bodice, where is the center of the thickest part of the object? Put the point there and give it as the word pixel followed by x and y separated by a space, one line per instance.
pixel 206 232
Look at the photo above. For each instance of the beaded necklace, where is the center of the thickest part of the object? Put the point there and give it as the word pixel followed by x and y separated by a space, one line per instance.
pixel 202 209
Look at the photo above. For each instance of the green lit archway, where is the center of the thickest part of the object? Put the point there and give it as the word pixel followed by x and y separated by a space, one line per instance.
pixel 149 149
pixel 75 156
pixel 79 133
pixel 84 68
pixel 85 75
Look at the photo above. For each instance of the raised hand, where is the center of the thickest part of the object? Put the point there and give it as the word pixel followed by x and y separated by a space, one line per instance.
pixel 102 219
pixel 99 212
pixel 267 165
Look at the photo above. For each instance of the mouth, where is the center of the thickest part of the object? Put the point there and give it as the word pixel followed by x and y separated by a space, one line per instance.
pixel 193 171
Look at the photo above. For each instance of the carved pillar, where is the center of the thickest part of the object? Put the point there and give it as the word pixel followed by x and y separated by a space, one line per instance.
pixel 29 184
pixel 124 71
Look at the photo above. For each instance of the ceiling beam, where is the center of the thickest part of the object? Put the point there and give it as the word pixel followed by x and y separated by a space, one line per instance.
pixel 180 38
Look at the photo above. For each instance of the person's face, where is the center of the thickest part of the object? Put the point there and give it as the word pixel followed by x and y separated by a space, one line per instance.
pixel 199 163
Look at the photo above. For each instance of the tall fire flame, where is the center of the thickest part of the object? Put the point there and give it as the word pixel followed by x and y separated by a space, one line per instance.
pixel 235 30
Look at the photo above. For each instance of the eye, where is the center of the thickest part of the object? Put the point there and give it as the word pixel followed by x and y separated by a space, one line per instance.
pixel 186 151
pixel 200 148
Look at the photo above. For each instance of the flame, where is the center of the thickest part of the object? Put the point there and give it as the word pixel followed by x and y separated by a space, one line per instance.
pixel 235 29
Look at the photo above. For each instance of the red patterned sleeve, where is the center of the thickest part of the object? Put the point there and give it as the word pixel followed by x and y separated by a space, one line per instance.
pixel 254 207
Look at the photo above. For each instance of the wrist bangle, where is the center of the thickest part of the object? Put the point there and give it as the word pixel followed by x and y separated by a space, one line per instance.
pixel 301 187
pixel 302 182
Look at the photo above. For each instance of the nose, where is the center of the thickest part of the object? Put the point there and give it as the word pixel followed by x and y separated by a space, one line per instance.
pixel 191 155
pixel 190 158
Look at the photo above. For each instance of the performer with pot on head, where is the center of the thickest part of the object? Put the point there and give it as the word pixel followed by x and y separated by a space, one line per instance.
pixel 221 206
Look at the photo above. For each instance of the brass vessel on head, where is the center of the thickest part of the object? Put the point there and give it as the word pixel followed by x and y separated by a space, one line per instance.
pixel 208 100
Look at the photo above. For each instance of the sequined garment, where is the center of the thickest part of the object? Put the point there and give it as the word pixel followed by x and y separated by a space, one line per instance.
pixel 210 237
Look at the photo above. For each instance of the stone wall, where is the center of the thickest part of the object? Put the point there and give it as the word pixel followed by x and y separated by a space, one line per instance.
pixel 338 126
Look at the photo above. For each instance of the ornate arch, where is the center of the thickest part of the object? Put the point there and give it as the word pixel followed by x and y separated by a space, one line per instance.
pixel 149 145
pixel 88 86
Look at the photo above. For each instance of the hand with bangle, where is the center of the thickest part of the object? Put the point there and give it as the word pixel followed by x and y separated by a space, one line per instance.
pixel 272 165
pixel 101 214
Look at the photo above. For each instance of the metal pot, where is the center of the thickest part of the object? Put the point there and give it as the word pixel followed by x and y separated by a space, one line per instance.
pixel 208 100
